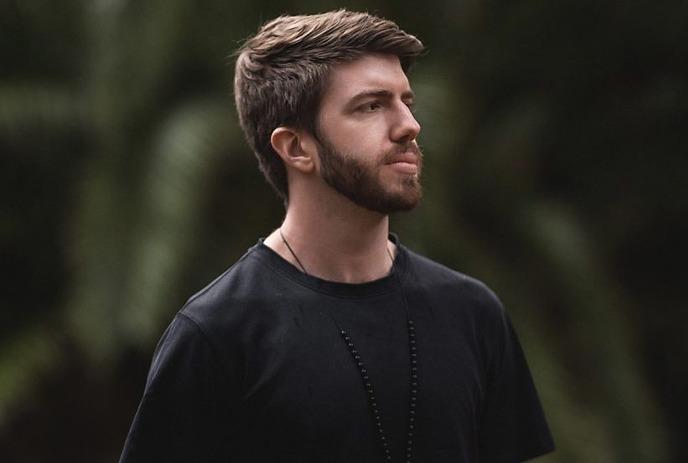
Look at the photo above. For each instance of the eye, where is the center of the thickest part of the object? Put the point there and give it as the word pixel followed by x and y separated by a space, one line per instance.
pixel 370 106
pixel 411 105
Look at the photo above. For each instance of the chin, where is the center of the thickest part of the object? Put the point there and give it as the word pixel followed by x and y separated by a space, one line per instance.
pixel 389 204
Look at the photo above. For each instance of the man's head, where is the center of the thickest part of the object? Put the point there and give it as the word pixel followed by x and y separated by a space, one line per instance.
pixel 282 72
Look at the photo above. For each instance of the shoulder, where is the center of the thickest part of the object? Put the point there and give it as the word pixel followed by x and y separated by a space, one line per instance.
pixel 232 300
pixel 235 288
pixel 247 302
pixel 433 276
pixel 453 295
pixel 464 304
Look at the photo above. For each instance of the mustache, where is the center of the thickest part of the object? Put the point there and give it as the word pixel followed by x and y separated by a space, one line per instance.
pixel 405 148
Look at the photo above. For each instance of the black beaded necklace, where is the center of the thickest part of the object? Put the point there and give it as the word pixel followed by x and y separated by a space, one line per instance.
pixel 372 400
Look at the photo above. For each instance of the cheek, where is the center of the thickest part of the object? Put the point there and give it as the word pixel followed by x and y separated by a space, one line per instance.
pixel 368 139
pixel 365 139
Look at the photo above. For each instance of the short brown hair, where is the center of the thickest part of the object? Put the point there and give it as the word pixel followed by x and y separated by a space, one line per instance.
pixel 281 72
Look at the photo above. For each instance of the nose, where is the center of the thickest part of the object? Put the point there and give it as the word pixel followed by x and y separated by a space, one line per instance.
pixel 405 128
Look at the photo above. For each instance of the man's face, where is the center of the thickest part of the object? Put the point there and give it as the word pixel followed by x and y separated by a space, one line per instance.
pixel 367 134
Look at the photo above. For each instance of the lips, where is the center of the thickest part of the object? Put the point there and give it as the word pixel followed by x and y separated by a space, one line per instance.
pixel 405 163
pixel 406 158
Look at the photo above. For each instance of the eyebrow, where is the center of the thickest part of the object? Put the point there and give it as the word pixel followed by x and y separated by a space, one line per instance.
pixel 386 94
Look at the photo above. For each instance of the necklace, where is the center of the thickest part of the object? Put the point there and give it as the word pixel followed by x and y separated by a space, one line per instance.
pixel 372 400
pixel 367 384
pixel 303 269
pixel 292 251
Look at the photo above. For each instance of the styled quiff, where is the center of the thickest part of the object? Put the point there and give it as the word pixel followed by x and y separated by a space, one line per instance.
pixel 282 70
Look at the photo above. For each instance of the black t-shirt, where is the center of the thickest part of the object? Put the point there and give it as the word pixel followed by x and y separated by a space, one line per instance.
pixel 253 369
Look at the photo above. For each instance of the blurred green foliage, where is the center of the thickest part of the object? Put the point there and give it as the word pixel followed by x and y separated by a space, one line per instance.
pixel 555 145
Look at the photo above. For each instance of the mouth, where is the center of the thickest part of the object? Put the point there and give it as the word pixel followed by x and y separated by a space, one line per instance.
pixel 408 168
pixel 406 163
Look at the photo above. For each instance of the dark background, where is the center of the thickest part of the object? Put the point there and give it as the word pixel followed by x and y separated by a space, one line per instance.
pixel 555 140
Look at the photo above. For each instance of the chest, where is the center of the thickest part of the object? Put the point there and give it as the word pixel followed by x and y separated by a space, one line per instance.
pixel 303 385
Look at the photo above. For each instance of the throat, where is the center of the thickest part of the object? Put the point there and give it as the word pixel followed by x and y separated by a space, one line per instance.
pixel 330 262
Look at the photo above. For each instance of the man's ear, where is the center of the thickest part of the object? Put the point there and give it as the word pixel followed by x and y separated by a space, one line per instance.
pixel 294 148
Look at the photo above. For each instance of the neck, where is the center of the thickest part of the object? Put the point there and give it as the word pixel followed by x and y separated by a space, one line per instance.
pixel 335 240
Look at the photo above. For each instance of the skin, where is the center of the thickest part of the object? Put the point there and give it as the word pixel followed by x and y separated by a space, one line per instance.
pixel 365 115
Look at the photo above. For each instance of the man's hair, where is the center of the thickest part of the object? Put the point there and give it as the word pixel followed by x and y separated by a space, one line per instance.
pixel 281 73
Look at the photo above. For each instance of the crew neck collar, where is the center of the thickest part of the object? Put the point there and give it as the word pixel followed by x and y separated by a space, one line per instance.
pixel 383 285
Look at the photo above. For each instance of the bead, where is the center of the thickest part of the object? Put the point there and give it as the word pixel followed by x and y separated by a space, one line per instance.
pixel 372 402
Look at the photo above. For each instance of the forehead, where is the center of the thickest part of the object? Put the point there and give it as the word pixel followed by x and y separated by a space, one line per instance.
pixel 369 72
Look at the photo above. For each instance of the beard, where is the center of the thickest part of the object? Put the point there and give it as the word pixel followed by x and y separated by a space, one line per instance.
pixel 362 182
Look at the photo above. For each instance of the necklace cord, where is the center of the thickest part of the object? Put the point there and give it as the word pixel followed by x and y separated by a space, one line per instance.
pixel 367 383
pixel 296 258
pixel 292 252
pixel 413 372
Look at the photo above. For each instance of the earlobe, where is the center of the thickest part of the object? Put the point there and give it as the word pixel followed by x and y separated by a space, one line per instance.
pixel 289 145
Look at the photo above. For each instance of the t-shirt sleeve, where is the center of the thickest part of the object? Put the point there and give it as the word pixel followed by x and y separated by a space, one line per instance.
pixel 513 426
pixel 182 416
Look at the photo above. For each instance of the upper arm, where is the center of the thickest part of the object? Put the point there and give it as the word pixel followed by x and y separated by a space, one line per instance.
pixel 185 411
pixel 513 427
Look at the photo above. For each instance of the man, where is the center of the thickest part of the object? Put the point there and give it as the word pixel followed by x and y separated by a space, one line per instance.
pixel 329 341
